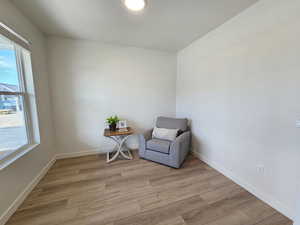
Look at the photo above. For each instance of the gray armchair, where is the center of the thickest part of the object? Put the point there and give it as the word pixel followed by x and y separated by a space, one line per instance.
pixel 163 151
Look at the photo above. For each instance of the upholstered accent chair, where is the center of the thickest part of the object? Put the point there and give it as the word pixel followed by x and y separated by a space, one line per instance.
pixel 170 153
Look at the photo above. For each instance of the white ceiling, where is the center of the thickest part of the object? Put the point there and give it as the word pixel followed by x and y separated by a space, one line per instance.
pixel 165 24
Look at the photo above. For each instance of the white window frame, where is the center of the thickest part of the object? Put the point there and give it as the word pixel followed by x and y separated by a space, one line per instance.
pixel 26 92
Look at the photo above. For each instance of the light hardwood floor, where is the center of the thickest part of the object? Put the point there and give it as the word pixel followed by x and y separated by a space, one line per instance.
pixel 88 191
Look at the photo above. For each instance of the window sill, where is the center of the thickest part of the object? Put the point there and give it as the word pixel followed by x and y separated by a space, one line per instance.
pixel 16 155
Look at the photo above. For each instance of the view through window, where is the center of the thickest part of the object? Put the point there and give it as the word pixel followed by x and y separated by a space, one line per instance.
pixel 13 126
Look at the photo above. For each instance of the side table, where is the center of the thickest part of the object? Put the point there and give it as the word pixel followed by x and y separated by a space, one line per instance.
pixel 120 137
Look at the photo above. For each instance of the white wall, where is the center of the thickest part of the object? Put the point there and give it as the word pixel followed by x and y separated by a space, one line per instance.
pixel 18 175
pixel 297 218
pixel 91 81
pixel 240 87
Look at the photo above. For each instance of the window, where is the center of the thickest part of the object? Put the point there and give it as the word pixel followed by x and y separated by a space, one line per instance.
pixel 17 135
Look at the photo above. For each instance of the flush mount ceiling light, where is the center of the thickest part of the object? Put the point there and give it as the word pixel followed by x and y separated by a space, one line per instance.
pixel 135 5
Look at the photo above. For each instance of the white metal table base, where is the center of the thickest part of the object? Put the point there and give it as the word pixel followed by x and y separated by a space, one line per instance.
pixel 120 148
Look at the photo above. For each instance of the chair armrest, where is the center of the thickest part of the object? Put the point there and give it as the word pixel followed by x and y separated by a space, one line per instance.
pixel 143 138
pixel 180 147
pixel 148 134
pixel 184 137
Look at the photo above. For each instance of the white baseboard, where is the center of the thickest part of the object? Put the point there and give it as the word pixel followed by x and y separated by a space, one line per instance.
pixel 21 197
pixel 258 193
pixel 78 154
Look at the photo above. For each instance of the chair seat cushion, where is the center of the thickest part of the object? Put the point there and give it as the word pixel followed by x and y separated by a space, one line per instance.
pixel 159 145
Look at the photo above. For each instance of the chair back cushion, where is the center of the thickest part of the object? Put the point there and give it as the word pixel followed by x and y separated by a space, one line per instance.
pixel 172 123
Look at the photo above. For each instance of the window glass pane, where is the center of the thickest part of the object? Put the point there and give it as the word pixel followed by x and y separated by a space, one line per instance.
pixel 13 133
pixel 9 79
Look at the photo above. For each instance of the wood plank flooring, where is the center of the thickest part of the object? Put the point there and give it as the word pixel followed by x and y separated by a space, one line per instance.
pixel 88 191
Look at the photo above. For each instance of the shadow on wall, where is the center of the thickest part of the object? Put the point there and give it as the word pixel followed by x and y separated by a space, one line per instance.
pixel 196 144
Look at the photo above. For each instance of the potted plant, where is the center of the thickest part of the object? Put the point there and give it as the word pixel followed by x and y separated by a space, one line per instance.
pixel 112 122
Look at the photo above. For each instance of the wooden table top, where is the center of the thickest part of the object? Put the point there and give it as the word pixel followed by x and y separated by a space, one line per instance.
pixel 109 133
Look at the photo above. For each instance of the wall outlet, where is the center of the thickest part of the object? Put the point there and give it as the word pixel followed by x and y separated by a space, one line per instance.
pixel 298 123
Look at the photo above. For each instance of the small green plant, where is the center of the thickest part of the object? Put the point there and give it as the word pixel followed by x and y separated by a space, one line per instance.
pixel 112 120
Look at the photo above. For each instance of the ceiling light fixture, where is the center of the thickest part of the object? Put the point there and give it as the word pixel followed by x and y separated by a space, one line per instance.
pixel 135 5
